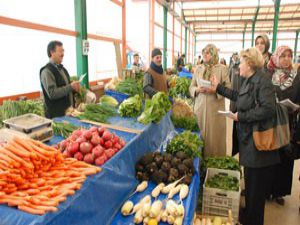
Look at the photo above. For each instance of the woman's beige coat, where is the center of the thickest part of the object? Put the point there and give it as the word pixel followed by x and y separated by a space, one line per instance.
pixel 212 124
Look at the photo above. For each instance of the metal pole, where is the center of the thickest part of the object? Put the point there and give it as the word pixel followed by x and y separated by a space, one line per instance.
pixel 275 25
pixel 81 28
pixel 185 44
pixel 296 45
pixel 165 37
pixel 254 22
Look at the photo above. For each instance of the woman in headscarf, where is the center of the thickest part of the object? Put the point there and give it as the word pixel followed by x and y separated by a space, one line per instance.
pixel 262 43
pixel 286 81
pixel 212 125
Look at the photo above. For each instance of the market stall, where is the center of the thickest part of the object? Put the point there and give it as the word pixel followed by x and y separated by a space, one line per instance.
pixel 101 196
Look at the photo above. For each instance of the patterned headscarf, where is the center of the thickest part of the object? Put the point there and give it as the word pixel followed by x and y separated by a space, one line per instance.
pixel 212 49
pixel 282 77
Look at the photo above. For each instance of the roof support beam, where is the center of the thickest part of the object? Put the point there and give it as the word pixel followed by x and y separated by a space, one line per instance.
pixel 185 43
pixel 296 45
pixel 81 28
pixel 254 22
pixel 275 26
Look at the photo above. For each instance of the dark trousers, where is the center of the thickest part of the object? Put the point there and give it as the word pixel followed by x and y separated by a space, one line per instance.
pixel 235 141
pixel 257 182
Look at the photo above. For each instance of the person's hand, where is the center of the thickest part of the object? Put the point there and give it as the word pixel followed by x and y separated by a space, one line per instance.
pixel 206 90
pixel 214 82
pixel 75 86
pixel 234 116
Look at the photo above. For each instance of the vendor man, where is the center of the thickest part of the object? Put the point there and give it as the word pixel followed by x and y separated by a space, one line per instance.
pixel 136 66
pixel 155 78
pixel 55 81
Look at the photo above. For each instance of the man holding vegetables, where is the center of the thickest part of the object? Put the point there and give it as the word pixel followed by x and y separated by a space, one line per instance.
pixel 55 81
pixel 155 78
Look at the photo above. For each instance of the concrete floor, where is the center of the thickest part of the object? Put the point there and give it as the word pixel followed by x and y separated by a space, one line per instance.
pixel 275 214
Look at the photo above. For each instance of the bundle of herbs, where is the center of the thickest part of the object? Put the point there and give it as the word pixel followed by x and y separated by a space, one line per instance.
pixel 130 87
pixel 224 182
pixel 98 112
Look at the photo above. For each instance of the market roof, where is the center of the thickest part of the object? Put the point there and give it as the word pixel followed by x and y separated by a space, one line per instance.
pixel 236 19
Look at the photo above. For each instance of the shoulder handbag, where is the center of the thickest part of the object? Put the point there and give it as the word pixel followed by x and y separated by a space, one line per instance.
pixel 273 133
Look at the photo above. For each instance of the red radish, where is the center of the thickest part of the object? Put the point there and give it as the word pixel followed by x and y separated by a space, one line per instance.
pixel 81 139
pixel 106 135
pixel 67 154
pixel 78 156
pixel 101 130
pixel 73 137
pixel 97 151
pixel 63 145
pixel 115 150
pixel 93 129
pixel 100 160
pixel 74 147
pixel 108 144
pixel 109 153
pixel 89 158
pixel 102 141
pixel 95 139
pixel 116 139
pixel 86 147
pixel 122 143
pixel 77 132
pixel 87 134
pixel 117 146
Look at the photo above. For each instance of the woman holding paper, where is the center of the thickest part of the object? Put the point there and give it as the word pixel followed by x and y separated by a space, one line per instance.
pixel 255 102
pixel 286 81
pixel 212 125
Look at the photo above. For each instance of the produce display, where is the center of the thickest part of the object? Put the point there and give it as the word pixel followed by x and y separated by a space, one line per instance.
pixel 155 109
pixel 131 107
pixel 130 86
pixel 185 123
pixel 226 162
pixel 151 210
pixel 186 142
pixel 11 109
pixel 225 182
pixel 64 129
pixel 93 146
pixel 209 220
pixel 111 85
pixel 98 112
pixel 181 88
pixel 106 99
pixel 35 178
pixel 165 168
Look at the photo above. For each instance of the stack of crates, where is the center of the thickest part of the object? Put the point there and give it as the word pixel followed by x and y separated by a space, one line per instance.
pixel 216 201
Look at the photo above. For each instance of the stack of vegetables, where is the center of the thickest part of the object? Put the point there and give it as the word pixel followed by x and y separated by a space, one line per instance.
pixel 165 168
pixel 225 162
pixel 183 115
pixel 98 112
pixel 11 109
pixel 224 182
pixel 130 87
pixel 150 210
pixel 209 220
pixel 93 146
pixel 155 109
pixel 106 99
pixel 36 178
pixel 187 142
pixel 131 107
pixel 181 88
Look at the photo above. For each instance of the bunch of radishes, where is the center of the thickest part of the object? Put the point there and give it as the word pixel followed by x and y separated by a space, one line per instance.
pixel 93 146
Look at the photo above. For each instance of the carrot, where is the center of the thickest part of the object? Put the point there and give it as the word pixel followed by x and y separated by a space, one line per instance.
pixel 22 149
pixel 43 207
pixel 7 152
pixel 32 191
pixel 17 151
pixel 31 210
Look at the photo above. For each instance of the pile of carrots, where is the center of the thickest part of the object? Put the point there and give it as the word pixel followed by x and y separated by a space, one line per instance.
pixel 35 177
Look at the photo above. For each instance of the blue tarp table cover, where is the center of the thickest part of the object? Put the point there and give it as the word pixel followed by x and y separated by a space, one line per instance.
pixel 101 196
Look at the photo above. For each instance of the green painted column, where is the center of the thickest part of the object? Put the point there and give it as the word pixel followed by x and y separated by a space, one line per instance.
pixel 254 23
pixel 165 37
pixel 275 24
pixel 185 43
pixel 81 28
pixel 195 53
pixel 296 45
